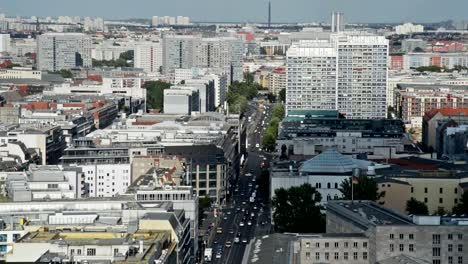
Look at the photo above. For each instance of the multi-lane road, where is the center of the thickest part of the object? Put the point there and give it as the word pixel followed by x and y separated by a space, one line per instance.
pixel 242 218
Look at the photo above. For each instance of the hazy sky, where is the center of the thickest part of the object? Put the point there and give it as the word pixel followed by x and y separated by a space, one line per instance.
pixel 247 10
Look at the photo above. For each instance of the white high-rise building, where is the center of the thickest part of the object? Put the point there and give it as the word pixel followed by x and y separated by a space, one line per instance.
pixel 5 42
pixel 337 24
pixel 181 20
pixel 155 21
pixel 57 51
pixel 408 28
pixel 149 56
pixel 178 52
pixel 347 72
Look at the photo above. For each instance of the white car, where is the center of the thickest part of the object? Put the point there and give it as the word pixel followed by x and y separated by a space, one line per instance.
pixel 257 145
pixel 241 224
pixel 218 255
pixel 236 240
pixel 249 223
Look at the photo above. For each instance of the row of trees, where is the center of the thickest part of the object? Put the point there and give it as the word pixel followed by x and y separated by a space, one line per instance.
pixel 269 139
pixel 416 207
pixel 155 94
pixel 240 93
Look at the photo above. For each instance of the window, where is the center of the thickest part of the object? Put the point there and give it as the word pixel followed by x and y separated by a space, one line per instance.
pixel 355 255
pixel 364 255
pixel 336 244
pixel 317 245
pixel 460 236
pixel 455 201
pixel 460 247
pixel 317 256
pixel 450 247
pixel 336 255
pixel 450 236
pixel 345 256
pixel 425 199
pixel 91 252
pixel 392 248
pixel 412 189
pixel 425 190
pixel 411 236
pixel 441 190
pixel 3 238
pixel 307 244
pixel 327 244
pixel 460 260
pixel 402 247
pixel 308 255
pixel 116 251
pixel 72 252
pixel 402 236
pixel 441 200
pixel 364 244
pixel 436 252
pixel 355 244
pixel 391 236
pixel 346 244
pixel 411 247
pixel 450 260
pixel 327 256
pixel 436 261
pixel 78 251
pixel 328 185
pixel 455 190
pixel 16 237
pixel 436 239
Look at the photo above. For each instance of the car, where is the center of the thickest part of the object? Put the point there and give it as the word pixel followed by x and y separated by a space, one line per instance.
pixel 255 208
pixel 249 223
pixel 231 231
pixel 219 230
pixel 239 234
pixel 228 212
pixel 215 242
pixel 254 180
pixel 225 217
pixel 228 244
pixel 257 145
pixel 241 224
pixel 236 240
pixel 248 174
pixel 242 194
pixel 250 184
pixel 244 240
pixel 252 214
pixel 238 209
pixel 219 255
pixel 244 203
pixel 243 209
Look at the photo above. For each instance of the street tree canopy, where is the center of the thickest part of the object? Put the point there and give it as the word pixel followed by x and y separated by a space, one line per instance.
pixel 155 94
pixel 416 207
pixel 365 189
pixel 297 210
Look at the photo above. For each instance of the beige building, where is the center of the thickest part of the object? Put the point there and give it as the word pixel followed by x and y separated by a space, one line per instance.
pixel 277 80
pixel 9 115
pixel 397 193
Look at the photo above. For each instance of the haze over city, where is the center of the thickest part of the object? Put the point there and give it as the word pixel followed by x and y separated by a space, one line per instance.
pixel 366 11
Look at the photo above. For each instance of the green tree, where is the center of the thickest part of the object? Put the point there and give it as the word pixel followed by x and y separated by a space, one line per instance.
pixel 269 141
pixel 127 55
pixel 155 94
pixel 66 73
pixel 264 181
pixel 431 68
pixel 416 207
pixel 203 204
pixel 278 112
pixel 418 49
pixel 282 95
pixel 297 210
pixel 462 206
pixel 365 189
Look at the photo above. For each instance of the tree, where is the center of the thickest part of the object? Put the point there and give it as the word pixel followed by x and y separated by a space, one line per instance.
pixel 264 182
pixel 297 210
pixel 462 207
pixel 418 49
pixel 127 55
pixel 269 141
pixel 203 204
pixel 416 207
pixel 278 112
pixel 282 95
pixel 365 189
pixel 155 94
pixel 431 68
pixel 66 73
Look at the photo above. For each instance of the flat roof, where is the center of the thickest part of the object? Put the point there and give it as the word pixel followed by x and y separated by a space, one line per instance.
pixel 367 213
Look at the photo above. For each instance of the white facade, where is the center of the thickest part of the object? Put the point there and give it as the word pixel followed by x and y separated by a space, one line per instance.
pixel 149 56
pixel 57 51
pixel 408 28
pixel 107 180
pixel 5 43
pixel 20 73
pixel 347 73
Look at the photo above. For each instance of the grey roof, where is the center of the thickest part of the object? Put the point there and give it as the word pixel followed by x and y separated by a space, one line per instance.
pixel 403 259
pixel 272 249
pixel 330 161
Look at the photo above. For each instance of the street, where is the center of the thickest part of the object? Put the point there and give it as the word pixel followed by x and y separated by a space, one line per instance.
pixel 242 217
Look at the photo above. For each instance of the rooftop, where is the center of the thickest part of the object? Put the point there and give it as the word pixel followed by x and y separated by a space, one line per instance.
pixel 330 161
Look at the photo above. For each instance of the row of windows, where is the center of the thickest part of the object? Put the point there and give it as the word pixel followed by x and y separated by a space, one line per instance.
pixel 336 255
pixel 401 247
pixel 337 244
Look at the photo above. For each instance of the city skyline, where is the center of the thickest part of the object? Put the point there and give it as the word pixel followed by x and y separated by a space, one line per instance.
pixel 244 11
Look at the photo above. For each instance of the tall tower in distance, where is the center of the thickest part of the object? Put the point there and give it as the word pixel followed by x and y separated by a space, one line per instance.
pixel 337 23
pixel 269 14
